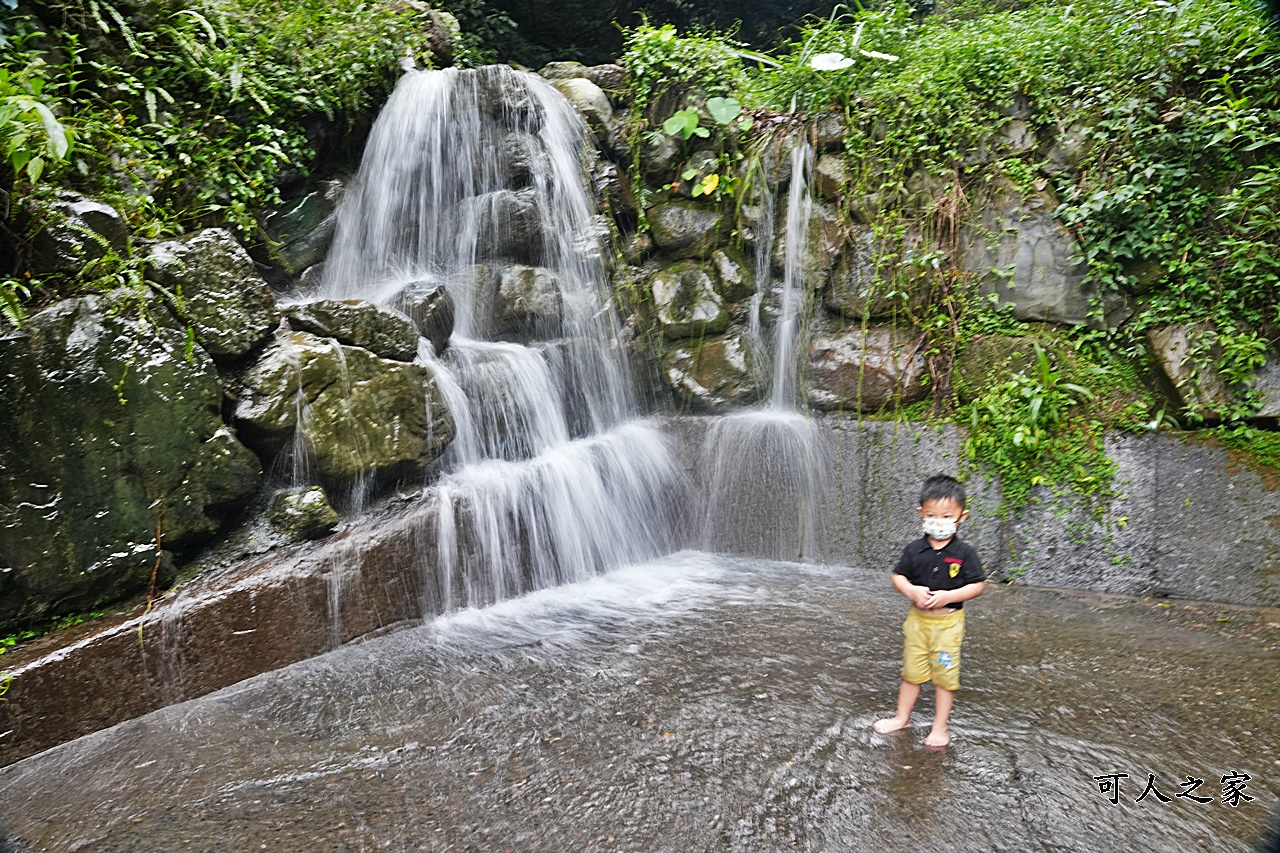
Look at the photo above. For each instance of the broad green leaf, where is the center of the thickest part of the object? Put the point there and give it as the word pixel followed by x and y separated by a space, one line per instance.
pixel 724 110
pixel 56 132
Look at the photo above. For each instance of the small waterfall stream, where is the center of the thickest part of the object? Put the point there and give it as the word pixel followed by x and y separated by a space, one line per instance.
pixel 769 466
pixel 473 182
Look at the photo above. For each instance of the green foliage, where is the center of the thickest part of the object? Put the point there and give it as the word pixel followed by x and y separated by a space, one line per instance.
pixel 724 110
pixel 30 133
pixel 14 294
pixel 17 639
pixel 1259 448
pixel 685 69
pixel 684 124
pixel 193 120
pixel 830 62
pixel 1030 430
pixel 657 58
pixel 1169 109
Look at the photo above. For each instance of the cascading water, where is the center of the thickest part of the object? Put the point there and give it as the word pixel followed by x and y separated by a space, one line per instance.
pixel 473 182
pixel 769 466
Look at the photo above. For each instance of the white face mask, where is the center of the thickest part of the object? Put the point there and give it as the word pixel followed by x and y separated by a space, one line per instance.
pixel 939 529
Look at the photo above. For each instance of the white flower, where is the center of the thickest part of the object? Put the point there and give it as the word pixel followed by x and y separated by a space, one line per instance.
pixel 830 62
pixel 888 57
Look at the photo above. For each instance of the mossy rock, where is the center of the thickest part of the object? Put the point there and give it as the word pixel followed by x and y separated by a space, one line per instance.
pixel 712 375
pixel 356 412
pixel 303 513
pixel 687 301
pixel 989 359
pixel 685 228
pixel 113 435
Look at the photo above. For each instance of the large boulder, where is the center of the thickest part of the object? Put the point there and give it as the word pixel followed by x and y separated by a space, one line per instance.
pixel 73 231
pixel 825 240
pixel 523 155
pixel 302 513
pixel 428 304
pixel 687 301
pixel 358 323
pixel 1030 261
pixel 506 96
pixel 303 228
pixel 685 228
pixel 113 435
pixel 511 300
pixel 859 288
pixel 1197 386
pixel 831 177
pixel 830 129
pixel 864 370
pixel 615 195
pixel 609 77
pixel 509 221
pixel 592 102
pixel 737 277
pixel 988 360
pixel 659 160
pixel 712 374
pixel 528 301
pixel 212 283
pixel 356 413
pixel 1267 385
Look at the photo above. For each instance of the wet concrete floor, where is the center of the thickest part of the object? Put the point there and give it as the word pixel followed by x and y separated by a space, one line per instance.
pixel 696 704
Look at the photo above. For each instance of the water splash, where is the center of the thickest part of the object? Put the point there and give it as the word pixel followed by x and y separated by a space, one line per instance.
pixel 769 474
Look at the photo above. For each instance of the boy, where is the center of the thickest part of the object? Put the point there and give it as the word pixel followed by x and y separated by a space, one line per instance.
pixel 938 573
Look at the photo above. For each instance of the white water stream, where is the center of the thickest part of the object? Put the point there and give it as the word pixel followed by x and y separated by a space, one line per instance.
pixel 769 468
pixel 474 179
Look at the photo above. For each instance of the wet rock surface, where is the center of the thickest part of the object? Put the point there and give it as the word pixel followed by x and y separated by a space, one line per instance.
pixel 213 284
pixel 697 703
pixel 1027 258
pixel 685 228
pixel 687 301
pixel 865 369
pixel 73 231
pixel 356 412
pixel 303 228
pixel 431 308
pixel 711 374
pixel 302 513
pixel 112 430
pixel 358 323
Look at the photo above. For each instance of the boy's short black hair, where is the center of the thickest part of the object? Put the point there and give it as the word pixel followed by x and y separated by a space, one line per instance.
pixel 940 487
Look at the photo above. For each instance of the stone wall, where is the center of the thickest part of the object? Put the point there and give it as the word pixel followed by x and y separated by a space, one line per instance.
pixel 1190 522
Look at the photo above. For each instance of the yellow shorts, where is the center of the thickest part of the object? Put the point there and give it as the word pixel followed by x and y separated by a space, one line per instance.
pixel 931 651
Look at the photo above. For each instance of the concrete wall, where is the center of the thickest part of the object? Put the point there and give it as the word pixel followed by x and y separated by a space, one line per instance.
pixel 1189 523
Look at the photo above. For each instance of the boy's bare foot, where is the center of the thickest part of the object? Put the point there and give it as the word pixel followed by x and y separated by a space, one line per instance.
pixel 890 724
pixel 938 738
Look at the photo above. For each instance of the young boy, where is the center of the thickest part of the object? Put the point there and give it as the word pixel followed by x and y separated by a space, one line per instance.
pixel 938 573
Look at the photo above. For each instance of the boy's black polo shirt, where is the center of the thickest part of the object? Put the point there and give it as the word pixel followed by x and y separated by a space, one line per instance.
pixel 952 566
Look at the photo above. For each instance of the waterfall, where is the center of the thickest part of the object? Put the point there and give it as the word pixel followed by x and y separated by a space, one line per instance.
pixel 473 182
pixel 769 467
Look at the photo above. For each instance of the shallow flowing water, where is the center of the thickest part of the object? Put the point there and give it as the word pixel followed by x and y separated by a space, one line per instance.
pixel 697 703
